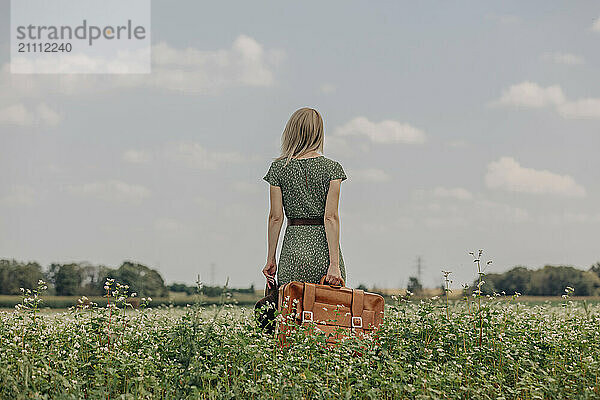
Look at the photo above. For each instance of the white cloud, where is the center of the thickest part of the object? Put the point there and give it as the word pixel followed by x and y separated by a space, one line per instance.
pixel 508 174
pixel 111 190
pixel 583 108
pixel 596 25
pixel 530 94
pixel 19 195
pixel 455 193
pixel 137 156
pixel 189 70
pixel 369 175
pixel 564 58
pixel 19 115
pixel 387 131
pixel 195 155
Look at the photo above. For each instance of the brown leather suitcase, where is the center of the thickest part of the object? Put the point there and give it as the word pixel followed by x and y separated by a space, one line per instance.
pixel 337 311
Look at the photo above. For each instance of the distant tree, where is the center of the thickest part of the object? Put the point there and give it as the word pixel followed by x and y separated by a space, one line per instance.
pixel 15 275
pixel 244 290
pixel 182 288
pixel 93 278
pixel 67 279
pixel 213 291
pixel 514 280
pixel 142 280
pixel 548 281
pixel 362 287
pixel 414 285
pixel 7 282
pixel 178 287
pixel 210 291
pixel 595 269
pixel 552 280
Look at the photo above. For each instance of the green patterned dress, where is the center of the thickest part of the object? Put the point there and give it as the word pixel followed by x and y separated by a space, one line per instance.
pixel 304 185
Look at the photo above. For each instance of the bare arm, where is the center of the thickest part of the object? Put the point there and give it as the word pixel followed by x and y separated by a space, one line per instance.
pixel 274 222
pixel 332 231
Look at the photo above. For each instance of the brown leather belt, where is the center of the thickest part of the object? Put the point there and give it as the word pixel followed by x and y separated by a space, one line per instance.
pixel 306 221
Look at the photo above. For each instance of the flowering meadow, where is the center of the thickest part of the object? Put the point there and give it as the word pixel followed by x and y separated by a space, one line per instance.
pixel 493 347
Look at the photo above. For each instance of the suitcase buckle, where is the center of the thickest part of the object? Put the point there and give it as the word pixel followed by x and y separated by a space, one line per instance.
pixel 307 316
pixel 357 324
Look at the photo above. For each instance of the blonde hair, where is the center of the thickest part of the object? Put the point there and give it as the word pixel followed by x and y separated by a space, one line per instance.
pixel 302 133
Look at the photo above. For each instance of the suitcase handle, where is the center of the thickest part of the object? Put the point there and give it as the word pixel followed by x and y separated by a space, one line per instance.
pixel 322 282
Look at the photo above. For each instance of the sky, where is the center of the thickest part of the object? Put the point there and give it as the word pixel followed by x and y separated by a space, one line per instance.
pixel 460 125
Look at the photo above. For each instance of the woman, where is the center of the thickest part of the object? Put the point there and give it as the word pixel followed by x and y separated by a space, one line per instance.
pixel 306 185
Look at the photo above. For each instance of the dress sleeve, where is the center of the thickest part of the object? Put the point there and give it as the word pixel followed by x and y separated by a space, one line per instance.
pixel 272 177
pixel 337 172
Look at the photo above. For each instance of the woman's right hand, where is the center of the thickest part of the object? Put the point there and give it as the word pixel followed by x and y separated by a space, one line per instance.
pixel 334 275
pixel 269 272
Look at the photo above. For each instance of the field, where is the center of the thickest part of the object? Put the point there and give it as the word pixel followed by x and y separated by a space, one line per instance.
pixel 175 299
pixel 486 348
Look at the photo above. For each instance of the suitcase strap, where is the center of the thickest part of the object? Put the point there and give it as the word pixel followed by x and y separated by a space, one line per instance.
pixel 358 304
pixel 308 303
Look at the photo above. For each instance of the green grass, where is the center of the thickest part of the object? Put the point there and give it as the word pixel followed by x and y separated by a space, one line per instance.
pixel 178 300
pixel 240 299
pixel 502 348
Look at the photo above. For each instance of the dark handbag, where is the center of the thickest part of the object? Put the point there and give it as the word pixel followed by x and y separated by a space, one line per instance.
pixel 264 309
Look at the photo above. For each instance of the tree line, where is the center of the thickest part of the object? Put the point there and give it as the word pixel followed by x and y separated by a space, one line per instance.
pixel 79 279
pixel 550 280
pixel 74 279
pixel 207 290
pixel 547 281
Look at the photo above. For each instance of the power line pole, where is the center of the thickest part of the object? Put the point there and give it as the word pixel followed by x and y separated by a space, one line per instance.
pixel 419 270
pixel 212 274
